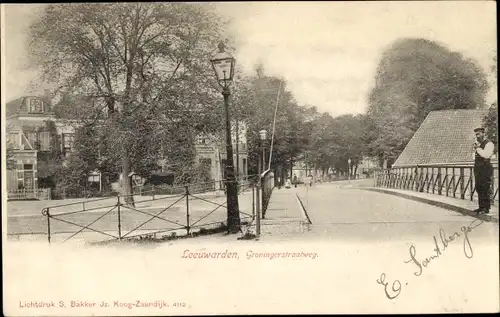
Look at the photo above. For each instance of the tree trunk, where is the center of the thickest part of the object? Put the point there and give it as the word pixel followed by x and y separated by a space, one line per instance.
pixel 355 170
pixel 126 179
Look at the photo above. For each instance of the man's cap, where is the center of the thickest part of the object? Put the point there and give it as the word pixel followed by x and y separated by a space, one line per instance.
pixel 479 130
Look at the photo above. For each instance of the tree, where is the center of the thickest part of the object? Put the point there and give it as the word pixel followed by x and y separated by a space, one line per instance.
pixel 490 121
pixel 414 77
pixel 128 68
pixel 49 162
pixel 258 105
pixel 10 160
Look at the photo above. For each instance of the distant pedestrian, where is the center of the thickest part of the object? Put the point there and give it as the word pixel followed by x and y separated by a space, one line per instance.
pixel 310 180
pixel 288 183
pixel 295 181
pixel 483 170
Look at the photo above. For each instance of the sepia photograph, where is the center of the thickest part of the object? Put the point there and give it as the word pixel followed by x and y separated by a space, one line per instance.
pixel 248 158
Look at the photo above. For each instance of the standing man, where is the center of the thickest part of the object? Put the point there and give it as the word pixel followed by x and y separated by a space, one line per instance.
pixel 483 170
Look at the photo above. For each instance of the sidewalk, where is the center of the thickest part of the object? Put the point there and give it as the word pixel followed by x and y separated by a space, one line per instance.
pixel 284 215
pixel 463 206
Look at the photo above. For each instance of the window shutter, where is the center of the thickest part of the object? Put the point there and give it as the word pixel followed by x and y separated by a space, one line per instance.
pixel 44 141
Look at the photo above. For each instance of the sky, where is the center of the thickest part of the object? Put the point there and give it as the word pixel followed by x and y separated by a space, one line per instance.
pixel 326 51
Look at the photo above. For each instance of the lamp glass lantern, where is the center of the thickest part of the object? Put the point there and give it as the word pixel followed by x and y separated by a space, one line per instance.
pixel 263 134
pixel 223 64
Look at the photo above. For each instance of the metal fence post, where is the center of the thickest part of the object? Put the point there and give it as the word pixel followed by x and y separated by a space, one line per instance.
pixel 454 182
pixel 253 201
pixel 257 213
pixel 461 179
pixel 421 180
pixel 118 204
pixel 427 179
pixel 446 180
pixel 264 197
pixel 439 181
pixel 187 209
pixel 471 179
pixel 48 223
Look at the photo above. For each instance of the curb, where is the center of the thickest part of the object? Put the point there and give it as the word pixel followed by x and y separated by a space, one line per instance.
pixel 461 210
pixel 303 209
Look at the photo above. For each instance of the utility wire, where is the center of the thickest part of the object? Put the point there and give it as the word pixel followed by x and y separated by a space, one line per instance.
pixel 274 124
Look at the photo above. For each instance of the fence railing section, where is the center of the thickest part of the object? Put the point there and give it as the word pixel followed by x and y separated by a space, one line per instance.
pixel 150 213
pixel 447 180
pixel 267 189
pixel 26 194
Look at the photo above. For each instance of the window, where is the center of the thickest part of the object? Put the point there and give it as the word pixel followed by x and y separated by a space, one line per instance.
pixel 244 172
pixel 30 141
pixel 201 139
pixel 93 178
pixel 35 106
pixel 28 166
pixel 44 141
pixel 206 162
pixel 223 168
pixel 13 141
pixel 67 141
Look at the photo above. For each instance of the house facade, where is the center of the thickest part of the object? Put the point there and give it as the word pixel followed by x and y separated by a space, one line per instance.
pixel 211 153
pixel 28 135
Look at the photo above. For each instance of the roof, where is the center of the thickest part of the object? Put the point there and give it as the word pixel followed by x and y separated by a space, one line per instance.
pixel 445 137
pixel 17 106
pixel 12 107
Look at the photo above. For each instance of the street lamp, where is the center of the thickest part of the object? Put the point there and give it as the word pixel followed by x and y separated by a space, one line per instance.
pixel 223 64
pixel 263 137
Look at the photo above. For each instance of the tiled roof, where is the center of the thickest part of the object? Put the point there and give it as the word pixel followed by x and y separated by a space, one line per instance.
pixel 18 106
pixel 12 107
pixel 445 137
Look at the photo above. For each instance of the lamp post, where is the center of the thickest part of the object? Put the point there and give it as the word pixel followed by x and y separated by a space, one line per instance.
pixel 223 64
pixel 349 170
pixel 263 137
pixel 260 193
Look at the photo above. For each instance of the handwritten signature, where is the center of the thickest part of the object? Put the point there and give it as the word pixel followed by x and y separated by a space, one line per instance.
pixel 395 289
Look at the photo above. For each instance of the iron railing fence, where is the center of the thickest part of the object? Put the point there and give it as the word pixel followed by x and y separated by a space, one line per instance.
pixel 27 194
pixel 150 213
pixel 455 181
pixel 200 187
pixel 267 189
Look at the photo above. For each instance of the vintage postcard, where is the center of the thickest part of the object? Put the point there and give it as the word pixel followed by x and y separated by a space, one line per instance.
pixel 214 158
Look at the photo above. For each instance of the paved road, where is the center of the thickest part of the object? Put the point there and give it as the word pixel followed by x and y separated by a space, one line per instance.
pixel 343 211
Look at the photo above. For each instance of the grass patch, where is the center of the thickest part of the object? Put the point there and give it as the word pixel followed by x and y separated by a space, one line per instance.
pixel 152 238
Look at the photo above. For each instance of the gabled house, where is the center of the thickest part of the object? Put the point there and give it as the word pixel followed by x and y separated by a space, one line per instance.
pixel 27 134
